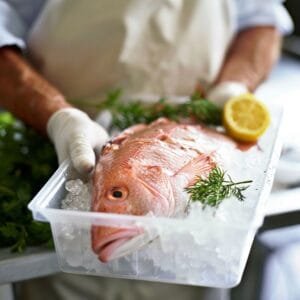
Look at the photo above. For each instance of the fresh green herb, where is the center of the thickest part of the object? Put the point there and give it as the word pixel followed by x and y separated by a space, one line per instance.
pixel 26 162
pixel 214 189
pixel 135 111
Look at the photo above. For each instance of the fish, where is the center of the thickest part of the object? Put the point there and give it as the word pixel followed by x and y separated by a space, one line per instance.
pixel 144 171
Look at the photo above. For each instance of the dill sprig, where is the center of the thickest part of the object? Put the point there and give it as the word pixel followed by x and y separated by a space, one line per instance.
pixel 125 114
pixel 215 188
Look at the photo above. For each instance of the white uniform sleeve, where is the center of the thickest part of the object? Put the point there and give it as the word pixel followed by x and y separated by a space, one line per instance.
pixel 12 28
pixel 15 20
pixel 263 12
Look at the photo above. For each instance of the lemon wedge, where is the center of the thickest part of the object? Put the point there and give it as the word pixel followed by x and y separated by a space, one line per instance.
pixel 245 118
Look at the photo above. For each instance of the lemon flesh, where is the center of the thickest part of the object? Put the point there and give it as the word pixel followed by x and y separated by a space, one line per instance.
pixel 245 118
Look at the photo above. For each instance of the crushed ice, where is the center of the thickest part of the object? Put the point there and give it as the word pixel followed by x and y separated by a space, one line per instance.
pixel 78 196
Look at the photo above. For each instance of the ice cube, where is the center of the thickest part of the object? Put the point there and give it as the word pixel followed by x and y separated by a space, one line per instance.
pixel 74 186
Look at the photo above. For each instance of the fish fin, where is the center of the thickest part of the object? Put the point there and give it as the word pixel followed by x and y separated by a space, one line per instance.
pixel 201 165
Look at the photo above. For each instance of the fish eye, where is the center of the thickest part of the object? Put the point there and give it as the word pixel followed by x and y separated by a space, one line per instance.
pixel 117 193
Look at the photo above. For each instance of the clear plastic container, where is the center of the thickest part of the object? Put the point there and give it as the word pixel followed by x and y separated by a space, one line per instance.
pixel 209 250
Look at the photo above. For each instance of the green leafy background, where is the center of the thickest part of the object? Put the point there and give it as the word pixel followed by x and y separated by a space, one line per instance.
pixel 27 160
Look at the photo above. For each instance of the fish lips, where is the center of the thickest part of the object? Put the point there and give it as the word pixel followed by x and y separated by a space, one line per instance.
pixel 120 243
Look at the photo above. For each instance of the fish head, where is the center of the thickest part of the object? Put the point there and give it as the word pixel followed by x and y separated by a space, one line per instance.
pixel 132 190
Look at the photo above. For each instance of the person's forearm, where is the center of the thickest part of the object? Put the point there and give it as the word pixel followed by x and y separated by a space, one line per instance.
pixel 25 93
pixel 251 56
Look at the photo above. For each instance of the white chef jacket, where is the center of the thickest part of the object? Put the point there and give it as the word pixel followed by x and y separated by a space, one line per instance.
pixel 81 71
pixel 17 17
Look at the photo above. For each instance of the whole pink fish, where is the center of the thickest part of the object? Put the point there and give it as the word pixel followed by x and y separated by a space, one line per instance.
pixel 146 170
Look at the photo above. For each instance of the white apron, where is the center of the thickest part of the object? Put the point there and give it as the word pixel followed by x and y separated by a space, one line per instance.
pixel 146 47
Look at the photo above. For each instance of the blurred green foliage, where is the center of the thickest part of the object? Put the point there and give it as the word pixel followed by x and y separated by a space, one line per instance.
pixel 134 112
pixel 127 113
pixel 26 162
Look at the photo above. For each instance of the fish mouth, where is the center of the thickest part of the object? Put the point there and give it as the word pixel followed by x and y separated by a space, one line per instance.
pixel 109 247
pixel 122 242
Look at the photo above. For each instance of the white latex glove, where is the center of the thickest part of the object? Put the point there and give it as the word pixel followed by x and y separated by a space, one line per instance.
pixel 75 136
pixel 221 92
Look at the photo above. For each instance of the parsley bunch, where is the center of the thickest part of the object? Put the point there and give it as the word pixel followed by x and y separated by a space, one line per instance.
pixel 125 114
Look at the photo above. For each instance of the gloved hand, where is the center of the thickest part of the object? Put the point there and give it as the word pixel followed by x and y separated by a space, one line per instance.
pixel 75 136
pixel 223 91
